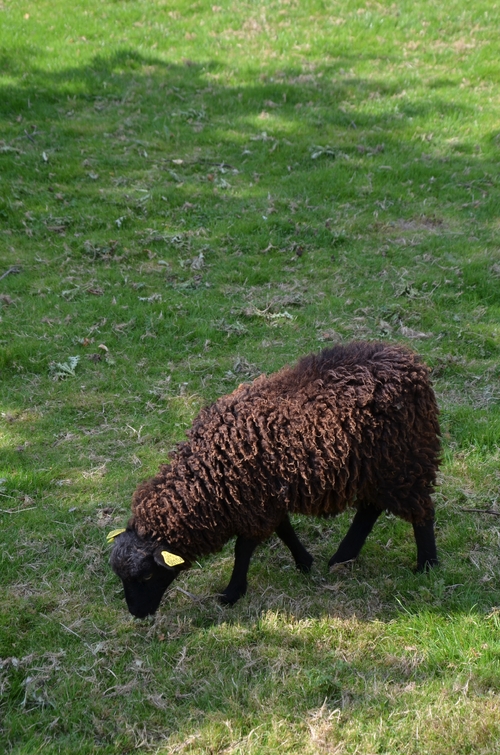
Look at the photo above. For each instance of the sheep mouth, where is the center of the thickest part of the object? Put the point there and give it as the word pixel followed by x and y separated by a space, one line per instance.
pixel 144 597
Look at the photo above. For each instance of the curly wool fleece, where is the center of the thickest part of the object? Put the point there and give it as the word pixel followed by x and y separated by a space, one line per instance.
pixel 353 425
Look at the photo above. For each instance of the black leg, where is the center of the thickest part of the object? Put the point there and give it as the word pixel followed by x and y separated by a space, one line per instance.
pixel 287 534
pixel 359 530
pixel 237 586
pixel 426 545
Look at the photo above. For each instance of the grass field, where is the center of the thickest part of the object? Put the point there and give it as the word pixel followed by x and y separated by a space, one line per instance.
pixel 192 194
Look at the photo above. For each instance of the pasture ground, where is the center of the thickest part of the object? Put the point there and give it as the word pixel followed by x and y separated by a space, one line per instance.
pixel 192 194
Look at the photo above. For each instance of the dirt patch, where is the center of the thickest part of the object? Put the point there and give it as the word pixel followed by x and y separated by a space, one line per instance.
pixel 422 223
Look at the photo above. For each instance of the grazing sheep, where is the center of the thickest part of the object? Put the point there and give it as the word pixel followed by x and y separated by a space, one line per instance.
pixel 355 425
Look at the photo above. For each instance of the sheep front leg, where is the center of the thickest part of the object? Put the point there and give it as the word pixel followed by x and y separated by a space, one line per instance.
pixel 361 526
pixel 287 534
pixel 237 586
pixel 426 545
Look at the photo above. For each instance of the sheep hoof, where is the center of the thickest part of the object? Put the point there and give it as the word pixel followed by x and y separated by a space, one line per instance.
pixel 305 566
pixel 225 601
pixel 426 566
pixel 230 598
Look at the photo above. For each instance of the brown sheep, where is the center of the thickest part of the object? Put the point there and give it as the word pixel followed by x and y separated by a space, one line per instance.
pixel 354 425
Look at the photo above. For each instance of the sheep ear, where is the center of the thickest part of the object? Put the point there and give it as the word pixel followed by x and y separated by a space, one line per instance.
pixel 114 533
pixel 166 558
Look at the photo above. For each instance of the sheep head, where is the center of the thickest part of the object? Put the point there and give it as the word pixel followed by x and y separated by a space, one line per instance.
pixel 146 569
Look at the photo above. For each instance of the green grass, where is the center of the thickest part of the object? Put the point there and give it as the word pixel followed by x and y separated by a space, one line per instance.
pixel 192 194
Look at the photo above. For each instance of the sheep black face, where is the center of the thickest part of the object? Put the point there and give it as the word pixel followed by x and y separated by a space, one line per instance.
pixel 146 569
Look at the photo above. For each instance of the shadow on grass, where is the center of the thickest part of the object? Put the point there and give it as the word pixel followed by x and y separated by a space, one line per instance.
pixel 81 101
pixel 113 151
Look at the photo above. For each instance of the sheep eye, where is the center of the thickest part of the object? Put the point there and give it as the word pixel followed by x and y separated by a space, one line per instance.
pixel 148 577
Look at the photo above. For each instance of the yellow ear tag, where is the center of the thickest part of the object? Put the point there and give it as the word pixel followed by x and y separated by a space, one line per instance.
pixel 171 559
pixel 114 533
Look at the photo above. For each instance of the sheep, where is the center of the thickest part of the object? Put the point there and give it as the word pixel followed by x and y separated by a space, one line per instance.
pixel 355 425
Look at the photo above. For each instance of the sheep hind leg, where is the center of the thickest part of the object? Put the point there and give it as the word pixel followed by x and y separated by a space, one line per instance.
pixel 426 545
pixel 286 533
pixel 361 526
pixel 237 586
